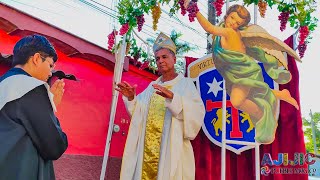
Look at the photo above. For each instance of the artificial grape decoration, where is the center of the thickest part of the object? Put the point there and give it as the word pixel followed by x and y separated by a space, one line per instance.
pixel 140 22
pixel 111 39
pixel 283 18
pixel 183 9
pixel 192 10
pixel 262 8
pixel 124 29
pixel 218 4
pixel 156 12
pixel 304 32
pixel 302 49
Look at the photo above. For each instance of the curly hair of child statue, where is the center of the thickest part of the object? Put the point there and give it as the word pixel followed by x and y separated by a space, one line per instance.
pixel 241 11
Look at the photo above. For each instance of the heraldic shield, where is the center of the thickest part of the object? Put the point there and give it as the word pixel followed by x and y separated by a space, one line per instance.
pixel 209 83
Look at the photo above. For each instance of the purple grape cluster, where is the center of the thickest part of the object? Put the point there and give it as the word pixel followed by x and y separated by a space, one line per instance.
pixel 140 22
pixel 192 10
pixel 124 29
pixel 302 49
pixel 283 18
pixel 218 4
pixel 303 34
pixel 111 39
pixel 183 9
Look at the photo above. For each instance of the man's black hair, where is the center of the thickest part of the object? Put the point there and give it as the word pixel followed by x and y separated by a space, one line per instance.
pixel 29 45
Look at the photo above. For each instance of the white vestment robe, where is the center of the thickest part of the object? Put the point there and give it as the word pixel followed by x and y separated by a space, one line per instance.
pixel 183 119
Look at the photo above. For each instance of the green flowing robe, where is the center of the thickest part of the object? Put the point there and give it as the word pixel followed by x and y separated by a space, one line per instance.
pixel 240 69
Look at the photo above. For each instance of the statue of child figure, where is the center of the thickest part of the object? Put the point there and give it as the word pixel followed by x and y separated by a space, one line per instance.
pixel 235 61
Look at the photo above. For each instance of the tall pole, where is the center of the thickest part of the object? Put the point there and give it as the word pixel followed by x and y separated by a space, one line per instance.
pixel 223 132
pixel 212 19
pixel 313 133
pixel 257 150
pixel 224 122
pixel 115 94
pixel 255 12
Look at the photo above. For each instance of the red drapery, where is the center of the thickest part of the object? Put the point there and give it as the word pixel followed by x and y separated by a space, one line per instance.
pixel 289 139
pixel 188 61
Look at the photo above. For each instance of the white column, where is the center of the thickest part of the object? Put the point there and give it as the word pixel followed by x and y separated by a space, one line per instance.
pixel 227 4
pixel 255 13
pixel 115 94
pixel 223 131
pixel 257 160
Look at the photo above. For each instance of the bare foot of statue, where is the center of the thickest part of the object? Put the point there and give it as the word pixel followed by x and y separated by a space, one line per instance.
pixel 286 96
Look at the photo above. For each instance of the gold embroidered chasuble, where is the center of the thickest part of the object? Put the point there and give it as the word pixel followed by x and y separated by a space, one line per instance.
pixel 152 143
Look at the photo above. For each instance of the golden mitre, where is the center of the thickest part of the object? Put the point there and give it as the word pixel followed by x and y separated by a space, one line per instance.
pixel 164 41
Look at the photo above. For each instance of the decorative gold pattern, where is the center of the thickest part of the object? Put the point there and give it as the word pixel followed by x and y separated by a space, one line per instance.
pixel 163 41
pixel 152 140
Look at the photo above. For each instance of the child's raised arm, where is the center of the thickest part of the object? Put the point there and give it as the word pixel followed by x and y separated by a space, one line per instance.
pixel 207 26
pixel 210 28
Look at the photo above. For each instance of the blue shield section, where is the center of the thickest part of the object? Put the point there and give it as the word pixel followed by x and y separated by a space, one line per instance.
pixel 239 126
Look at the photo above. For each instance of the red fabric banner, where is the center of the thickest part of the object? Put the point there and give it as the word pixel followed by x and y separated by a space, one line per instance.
pixel 188 61
pixel 289 139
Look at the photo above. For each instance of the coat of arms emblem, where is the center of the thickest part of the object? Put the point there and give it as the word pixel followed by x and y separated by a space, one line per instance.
pixel 210 86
